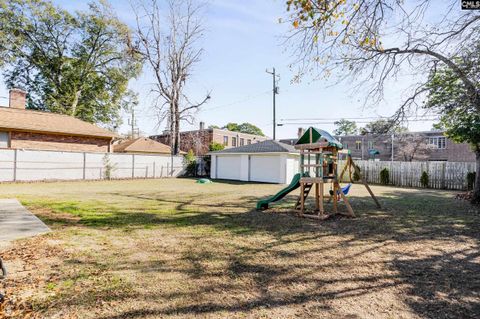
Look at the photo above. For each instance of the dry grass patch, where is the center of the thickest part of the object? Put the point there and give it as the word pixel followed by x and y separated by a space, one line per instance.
pixel 173 248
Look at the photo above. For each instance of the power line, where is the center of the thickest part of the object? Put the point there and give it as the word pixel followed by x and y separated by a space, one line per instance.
pixel 355 118
pixel 249 98
pixel 358 122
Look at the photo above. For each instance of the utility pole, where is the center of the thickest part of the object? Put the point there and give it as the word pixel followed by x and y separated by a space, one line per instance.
pixel 132 123
pixel 393 137
pixel 276 77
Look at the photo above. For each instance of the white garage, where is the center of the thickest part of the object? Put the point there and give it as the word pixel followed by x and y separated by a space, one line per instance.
pixel 269 161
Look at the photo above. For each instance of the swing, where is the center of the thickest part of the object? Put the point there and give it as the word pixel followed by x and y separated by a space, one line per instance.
pixel 345 190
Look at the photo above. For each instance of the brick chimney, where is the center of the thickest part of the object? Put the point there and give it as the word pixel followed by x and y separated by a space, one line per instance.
pixel 300 132
pixel 17 99
pixel 202 126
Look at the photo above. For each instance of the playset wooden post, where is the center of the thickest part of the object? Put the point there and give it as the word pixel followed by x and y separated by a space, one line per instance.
pixel 325 149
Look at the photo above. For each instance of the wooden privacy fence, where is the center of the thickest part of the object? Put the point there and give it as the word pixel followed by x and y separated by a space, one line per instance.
pixel 442 175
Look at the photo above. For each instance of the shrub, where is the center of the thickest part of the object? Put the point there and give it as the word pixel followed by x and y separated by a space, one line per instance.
pixel 424 179
pixel 190 162
pixel 385 176
pixel 207 159
pixel 214 146
pixel 108 167
pixel 356 175
pixel 471 180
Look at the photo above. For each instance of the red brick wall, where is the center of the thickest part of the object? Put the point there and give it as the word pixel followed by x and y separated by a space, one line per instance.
pixel 198 141
pixel 52 142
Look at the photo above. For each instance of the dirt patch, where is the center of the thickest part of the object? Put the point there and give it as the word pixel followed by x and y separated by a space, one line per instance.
pixel 31 264
pixel 176 249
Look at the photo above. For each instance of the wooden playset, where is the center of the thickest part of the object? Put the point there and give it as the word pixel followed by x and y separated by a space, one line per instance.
pixel 319 154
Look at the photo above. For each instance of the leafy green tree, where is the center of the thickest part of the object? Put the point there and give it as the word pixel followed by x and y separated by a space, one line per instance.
pixel 76 64
pixel 214 126
pixel 214 146
pixel 231 127
pixel 345 127
pixel 459 108
pixel 247 128
pixel 383 126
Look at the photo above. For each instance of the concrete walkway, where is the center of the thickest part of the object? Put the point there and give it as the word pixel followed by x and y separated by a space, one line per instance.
pixel 17 222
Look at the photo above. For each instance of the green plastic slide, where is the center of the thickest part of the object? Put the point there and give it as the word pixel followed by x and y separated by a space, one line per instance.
pixel 294 184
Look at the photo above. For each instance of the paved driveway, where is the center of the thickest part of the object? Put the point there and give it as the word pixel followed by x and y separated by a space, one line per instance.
pixel 17 222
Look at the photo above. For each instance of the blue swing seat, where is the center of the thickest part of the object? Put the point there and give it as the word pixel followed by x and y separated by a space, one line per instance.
pixel 346 189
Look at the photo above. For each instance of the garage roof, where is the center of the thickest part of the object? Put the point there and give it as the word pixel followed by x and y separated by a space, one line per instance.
pixel 269 146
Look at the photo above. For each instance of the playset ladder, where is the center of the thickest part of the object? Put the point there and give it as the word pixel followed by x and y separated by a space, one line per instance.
pixel 306 190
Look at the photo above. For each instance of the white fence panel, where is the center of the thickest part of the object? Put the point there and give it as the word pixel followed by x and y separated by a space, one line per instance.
pixel 30 165
pixel 42 165
pixel 7 160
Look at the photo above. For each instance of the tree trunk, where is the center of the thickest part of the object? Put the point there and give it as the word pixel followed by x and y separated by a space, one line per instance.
pixel 172 131
pixel 476 189
pixel 75 102
pixel 177 133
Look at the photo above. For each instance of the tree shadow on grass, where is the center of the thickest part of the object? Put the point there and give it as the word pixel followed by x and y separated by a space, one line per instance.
pixel 446 285
pixel 442 285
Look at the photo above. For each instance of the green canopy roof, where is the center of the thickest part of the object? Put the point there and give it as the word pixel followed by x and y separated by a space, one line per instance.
pixel 317 136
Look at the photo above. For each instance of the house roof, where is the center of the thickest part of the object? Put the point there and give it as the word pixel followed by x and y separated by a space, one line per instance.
pixel 45 122
pixel 317 136
pixel 142 145
pixel 268 146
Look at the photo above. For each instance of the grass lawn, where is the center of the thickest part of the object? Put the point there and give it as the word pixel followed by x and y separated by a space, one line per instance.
pixel 173 248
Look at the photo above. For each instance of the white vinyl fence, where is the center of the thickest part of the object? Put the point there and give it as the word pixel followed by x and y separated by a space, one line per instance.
pixel 30 165
pixel 442 175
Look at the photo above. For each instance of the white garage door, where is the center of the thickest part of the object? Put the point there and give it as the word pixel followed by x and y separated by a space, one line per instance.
pixel 228 167
pixel 265 168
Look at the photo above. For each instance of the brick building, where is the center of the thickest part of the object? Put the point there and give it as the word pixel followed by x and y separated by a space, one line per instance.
pixel 200 140
pixel 26 129
pixel 416 146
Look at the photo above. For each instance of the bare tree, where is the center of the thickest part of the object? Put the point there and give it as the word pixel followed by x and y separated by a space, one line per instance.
pixel 413 147
pixel 375 41
pixel 170 46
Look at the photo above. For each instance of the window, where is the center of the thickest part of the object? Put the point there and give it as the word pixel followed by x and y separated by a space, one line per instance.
pixel 370 145
pixel 437 142
pixel 249 141
pixel 234 141
pixel 242 141
pixel 3 139
pixel 225 140
pixel 358 145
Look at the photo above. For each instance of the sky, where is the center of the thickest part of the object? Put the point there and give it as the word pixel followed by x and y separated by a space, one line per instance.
pixel 242 39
